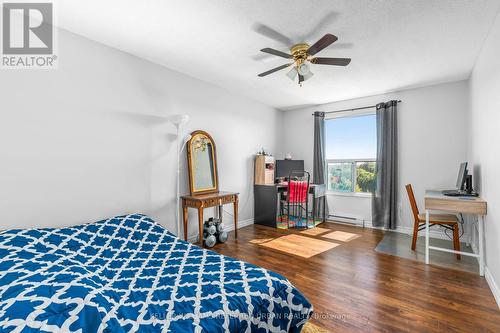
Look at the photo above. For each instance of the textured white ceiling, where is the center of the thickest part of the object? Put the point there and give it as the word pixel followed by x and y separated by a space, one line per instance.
pixel 394 44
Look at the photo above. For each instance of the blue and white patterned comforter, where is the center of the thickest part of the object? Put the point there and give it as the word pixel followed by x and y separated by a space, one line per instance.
pixel 129 274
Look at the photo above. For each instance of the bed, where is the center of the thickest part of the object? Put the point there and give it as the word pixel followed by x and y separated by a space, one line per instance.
pixel 129 274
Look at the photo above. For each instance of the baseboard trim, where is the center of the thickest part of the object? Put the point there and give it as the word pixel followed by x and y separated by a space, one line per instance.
pixel 404 230
pixel 432 233
pixel 241 224
pixel 227 228
pixel 493 285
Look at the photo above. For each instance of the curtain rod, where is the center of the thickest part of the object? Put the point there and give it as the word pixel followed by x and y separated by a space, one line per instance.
pixel 361 108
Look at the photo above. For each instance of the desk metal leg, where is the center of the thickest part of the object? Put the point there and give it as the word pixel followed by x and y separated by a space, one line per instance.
pixel 481 244
pixel 468 231
pixel 426 236
pixel 314 210
pixel 324 208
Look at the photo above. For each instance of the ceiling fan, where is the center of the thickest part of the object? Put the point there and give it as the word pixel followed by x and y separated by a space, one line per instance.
pixel 301 54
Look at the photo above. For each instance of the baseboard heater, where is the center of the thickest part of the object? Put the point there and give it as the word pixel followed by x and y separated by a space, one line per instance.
pixel 347 219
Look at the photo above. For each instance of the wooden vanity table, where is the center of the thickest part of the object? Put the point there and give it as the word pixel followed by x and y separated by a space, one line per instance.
pixel 204 183
pixel 202 201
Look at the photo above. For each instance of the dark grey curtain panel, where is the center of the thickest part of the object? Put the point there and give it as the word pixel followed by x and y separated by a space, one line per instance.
pixel 319 148
pixel 319 159
pixel 385 197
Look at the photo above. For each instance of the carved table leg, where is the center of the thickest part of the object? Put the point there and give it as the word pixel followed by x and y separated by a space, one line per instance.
pixel 185 221
pixel 200 226
pixel 235 206
pixel 220 212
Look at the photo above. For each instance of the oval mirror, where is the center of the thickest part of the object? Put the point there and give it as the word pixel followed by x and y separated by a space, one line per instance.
pixel 202 163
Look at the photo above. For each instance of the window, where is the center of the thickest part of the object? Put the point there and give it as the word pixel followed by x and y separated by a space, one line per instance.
pixel 351 144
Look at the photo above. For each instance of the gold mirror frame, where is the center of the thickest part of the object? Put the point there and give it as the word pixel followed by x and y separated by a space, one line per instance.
pixel 195 136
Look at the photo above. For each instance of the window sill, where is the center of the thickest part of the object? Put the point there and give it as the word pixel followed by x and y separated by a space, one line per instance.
pixel 350 194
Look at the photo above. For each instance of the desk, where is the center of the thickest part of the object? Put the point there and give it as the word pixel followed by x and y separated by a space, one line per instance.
pixel 266 202
pixel 435 200
pixel 202 201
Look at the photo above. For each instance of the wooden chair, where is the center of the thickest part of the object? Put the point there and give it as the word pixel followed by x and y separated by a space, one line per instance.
pixel 448 221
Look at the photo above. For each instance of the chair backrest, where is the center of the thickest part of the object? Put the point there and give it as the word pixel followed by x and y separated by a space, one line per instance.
pixel 413 202
pixel 298 186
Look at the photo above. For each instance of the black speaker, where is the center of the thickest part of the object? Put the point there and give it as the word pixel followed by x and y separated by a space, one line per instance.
pixel 468 184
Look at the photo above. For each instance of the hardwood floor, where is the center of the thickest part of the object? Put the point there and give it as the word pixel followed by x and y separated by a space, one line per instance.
pixel 355 289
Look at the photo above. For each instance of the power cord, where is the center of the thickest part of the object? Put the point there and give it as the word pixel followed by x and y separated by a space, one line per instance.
pixel 462 229
pixel 461 221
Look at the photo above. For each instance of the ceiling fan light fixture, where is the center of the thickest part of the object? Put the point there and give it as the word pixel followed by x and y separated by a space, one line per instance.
pixel 308 75
pixel 303 69
pixel 292 74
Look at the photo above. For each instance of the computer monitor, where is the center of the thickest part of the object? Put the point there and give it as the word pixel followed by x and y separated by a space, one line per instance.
pixel 284 167
pixel 462 176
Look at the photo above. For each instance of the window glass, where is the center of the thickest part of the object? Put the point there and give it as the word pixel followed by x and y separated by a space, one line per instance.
pixel 351 137
pixel 351 144
pixel 340 177
pixel 365 177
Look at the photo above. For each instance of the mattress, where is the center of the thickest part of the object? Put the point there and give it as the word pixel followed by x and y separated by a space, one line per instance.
pixel 129 274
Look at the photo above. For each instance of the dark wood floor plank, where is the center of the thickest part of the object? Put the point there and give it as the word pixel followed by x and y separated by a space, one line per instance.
pixel 355 289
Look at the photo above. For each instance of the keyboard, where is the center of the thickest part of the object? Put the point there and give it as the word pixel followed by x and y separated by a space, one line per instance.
pixel 451 193
pixel 457 193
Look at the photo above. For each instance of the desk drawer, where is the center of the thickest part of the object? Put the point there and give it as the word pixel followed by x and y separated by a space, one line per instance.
pixel 456 205
pixel 228 199
pixel 211 202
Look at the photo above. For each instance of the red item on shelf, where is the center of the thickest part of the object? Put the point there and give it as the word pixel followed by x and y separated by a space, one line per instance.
pixel 297 191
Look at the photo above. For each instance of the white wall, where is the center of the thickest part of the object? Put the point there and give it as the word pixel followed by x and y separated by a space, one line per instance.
pixel 432 142
pixel 484 149
pixel 89 140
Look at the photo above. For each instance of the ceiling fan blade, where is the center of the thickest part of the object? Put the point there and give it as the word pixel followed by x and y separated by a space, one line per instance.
pixel 324 41
pixel 271 33
pixel 277 53
pixel 331 61
pixel 274 70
